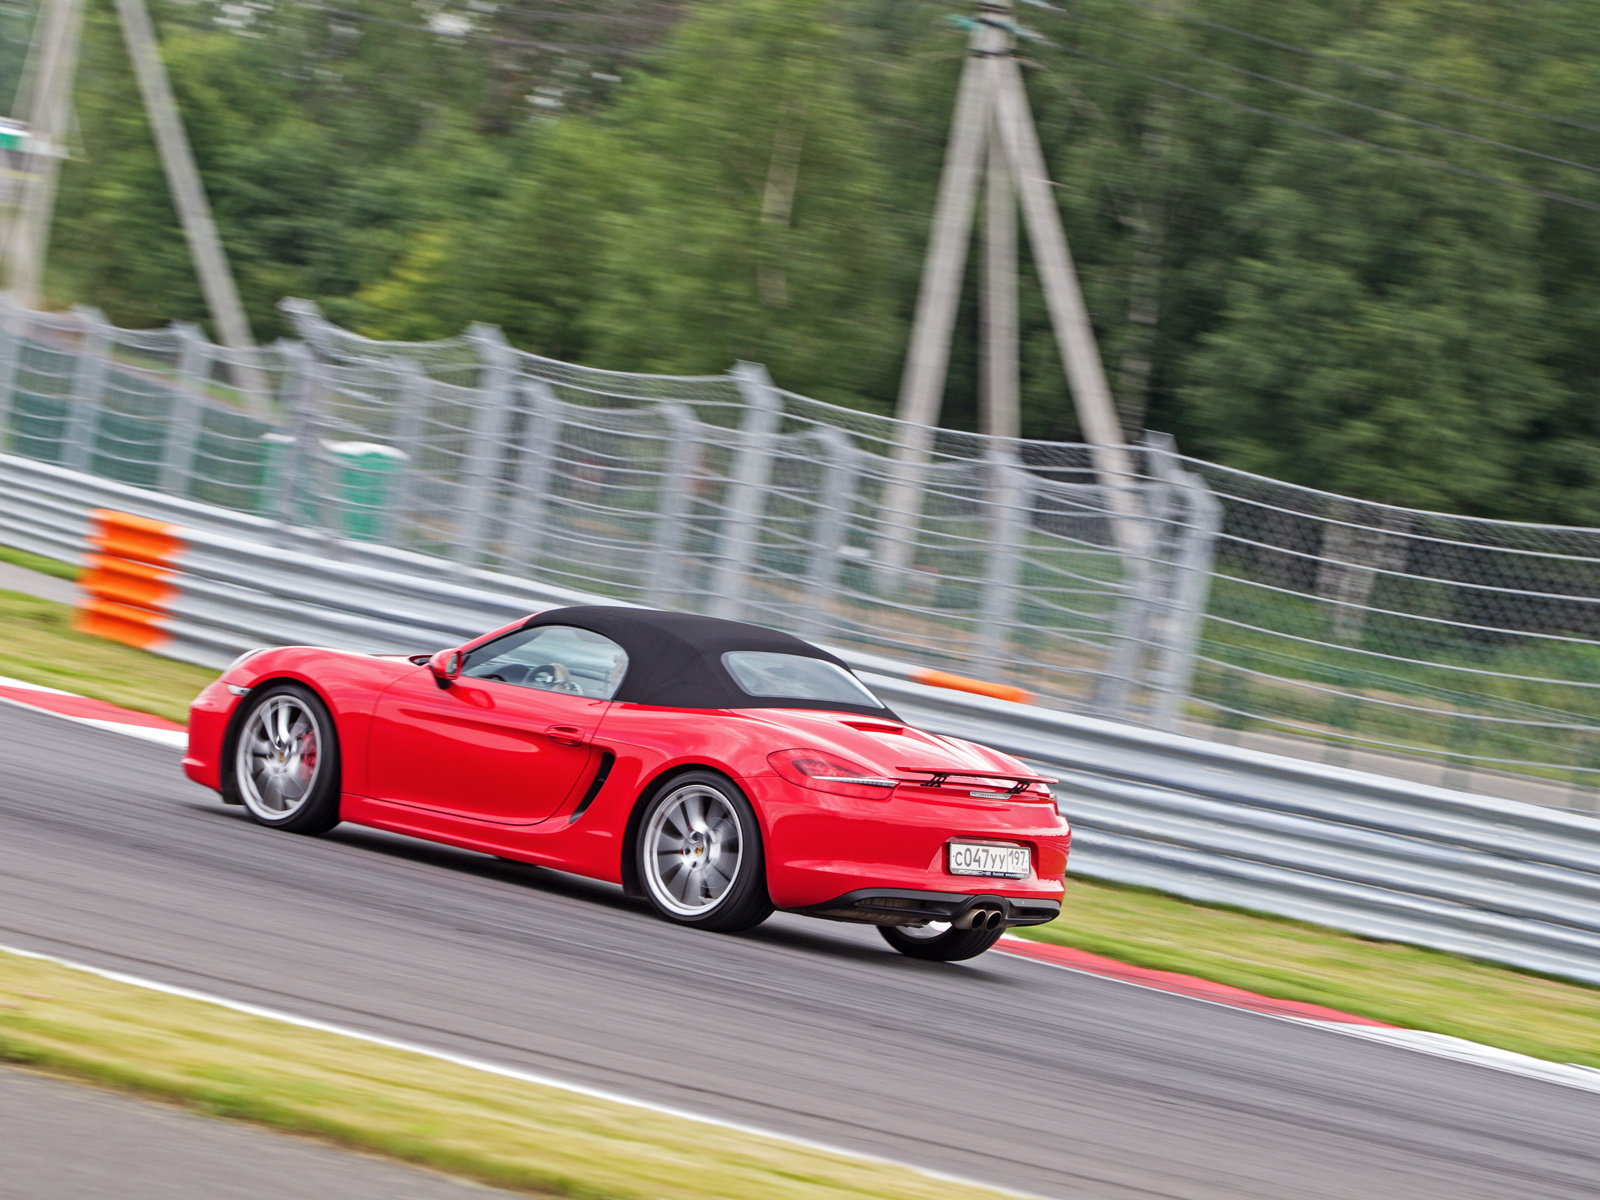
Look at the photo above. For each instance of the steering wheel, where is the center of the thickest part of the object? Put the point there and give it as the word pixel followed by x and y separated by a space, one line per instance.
pixel 554 677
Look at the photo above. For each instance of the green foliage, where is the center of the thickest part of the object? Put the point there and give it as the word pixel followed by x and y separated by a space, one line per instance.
pixel 759 186
pixel 1384 332
pixel 752 223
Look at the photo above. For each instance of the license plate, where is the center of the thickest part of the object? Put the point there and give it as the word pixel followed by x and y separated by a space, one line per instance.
pixel 981 858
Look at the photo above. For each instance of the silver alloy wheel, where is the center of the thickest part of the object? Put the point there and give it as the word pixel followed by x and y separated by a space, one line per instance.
pixel 928 932
pixel 693 846
pixel 279 757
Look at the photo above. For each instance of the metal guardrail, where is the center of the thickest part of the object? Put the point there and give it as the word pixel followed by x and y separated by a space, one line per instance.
pixel 1315 624
pixel 1493 879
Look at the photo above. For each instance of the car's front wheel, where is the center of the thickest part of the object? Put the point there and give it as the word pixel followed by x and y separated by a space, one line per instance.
pixel 938 941
pixel 700 856
pixel 285 768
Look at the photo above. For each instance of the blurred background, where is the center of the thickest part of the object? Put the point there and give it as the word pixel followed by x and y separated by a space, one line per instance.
pixel 1346 245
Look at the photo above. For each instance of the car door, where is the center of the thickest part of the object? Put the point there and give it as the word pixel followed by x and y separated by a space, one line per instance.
pixel 509 740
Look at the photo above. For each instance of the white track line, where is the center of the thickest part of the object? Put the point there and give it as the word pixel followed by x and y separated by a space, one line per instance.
pixel 1420 1041
pixel 522 1076
pixel 178 738
pixel 1442 1045
pixel 7 681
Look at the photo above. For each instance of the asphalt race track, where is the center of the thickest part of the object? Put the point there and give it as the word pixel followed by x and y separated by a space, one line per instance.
pixel 1002 1069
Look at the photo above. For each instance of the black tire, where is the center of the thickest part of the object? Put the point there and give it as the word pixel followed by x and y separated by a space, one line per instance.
pixel 952 945
pixel 292 782
pixel 714 877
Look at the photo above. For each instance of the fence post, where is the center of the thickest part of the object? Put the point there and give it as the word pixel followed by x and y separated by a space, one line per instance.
pixel 1191 582
pixel 837 492
pixel 13 335
pixel 88 381
pixel 1114 695
pixel 486 447
pixel 414 397
pixel 1011 486
pixel 530 507
pixel 743 502
pixel 286 472
pixel 308 322
pixel 664 580
pixel 185 416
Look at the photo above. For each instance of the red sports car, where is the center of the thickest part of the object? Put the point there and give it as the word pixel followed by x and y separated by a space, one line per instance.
pixel 718 769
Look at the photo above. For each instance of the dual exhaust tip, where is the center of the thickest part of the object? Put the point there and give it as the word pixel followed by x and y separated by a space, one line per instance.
pixel 980 917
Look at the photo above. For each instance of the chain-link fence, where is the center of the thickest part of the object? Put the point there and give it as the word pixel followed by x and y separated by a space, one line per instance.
pixel 726 495
pixel 1321 622
pixel 1387 629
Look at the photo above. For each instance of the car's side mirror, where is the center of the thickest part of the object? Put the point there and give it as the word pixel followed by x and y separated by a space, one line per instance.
pixel 446 667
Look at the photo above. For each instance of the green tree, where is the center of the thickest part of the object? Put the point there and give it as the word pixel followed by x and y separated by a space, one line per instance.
pixel 1384 333
pixel 753 223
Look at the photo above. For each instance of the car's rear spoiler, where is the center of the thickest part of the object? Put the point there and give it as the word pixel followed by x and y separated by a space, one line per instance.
pixel 939 776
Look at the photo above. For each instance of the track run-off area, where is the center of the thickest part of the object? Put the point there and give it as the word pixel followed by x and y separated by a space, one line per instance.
pixel 1002 1069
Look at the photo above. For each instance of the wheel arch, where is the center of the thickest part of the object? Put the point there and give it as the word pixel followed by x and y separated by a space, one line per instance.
pixel 631 883
pixel 230 734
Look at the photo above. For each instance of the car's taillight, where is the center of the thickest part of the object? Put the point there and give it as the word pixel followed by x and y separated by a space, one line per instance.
pixel 824 772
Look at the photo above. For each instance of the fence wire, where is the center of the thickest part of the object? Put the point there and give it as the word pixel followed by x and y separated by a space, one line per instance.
pixel 1226 602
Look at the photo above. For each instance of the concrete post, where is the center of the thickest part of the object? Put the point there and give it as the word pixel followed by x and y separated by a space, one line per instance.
pixel 187 413
pixel 742 503
pixel 486 446
pixel 530 507
pixel 88 382
pixel 831 532
pixel 664 578
pixel 1011 504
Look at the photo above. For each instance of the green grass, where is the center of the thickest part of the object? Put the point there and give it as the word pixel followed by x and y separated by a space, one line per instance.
pixel 39 645
pixel 37 562
pixel 540 1140
pixel 1291 960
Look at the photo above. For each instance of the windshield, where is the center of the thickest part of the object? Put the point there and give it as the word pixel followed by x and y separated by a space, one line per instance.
pixel 796 677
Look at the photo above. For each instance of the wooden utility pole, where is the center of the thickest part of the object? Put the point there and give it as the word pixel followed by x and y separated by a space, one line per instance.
pixel 992 113
pixel 52 64
pixel 183 177
pixel 999 401
pixel 55 58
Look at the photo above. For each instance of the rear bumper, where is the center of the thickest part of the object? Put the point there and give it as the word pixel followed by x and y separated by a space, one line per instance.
pixel 903 906
pixel 821 847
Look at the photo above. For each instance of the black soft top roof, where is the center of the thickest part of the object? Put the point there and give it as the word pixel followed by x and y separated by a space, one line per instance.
pixel 675 659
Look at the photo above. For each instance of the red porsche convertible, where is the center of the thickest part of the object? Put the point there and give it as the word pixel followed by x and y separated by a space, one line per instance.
pixel 720 770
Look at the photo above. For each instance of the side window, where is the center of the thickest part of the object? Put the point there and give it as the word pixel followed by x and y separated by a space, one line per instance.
pixel 552 658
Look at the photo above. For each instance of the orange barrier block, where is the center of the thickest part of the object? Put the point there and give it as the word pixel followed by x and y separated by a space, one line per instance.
pixel 129 584
pixel 960 683
pixel 123 535
pixel 120 623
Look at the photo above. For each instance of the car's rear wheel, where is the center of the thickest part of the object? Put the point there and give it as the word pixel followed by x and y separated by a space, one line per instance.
pixel 939 941
pixel 285 768
pixel 700 856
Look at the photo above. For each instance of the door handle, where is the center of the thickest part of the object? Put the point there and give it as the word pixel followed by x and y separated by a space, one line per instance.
pixel 565 735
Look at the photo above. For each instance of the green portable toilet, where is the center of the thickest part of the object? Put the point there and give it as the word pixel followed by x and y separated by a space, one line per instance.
pixel 364 475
